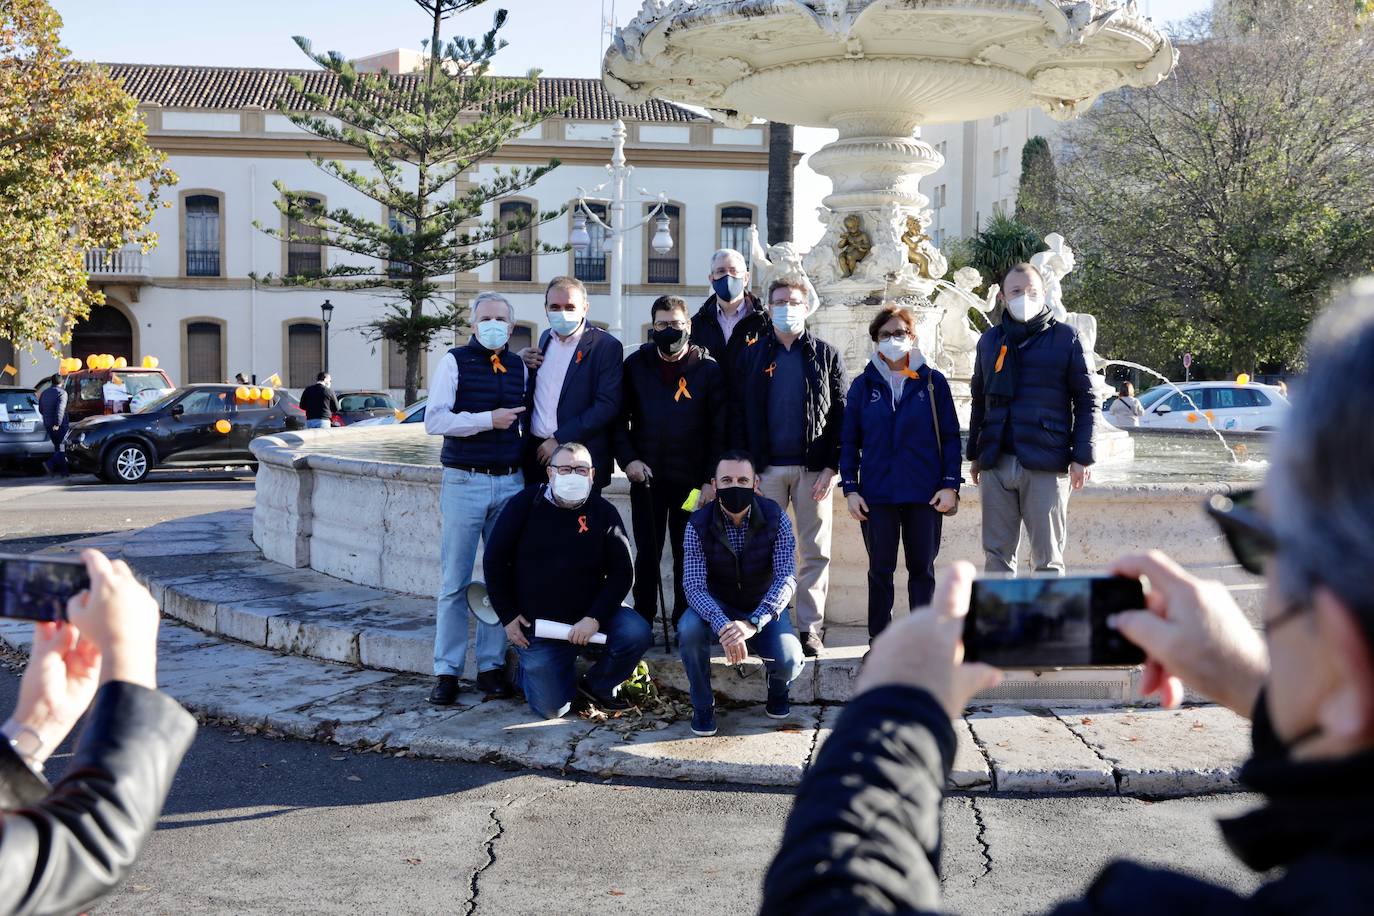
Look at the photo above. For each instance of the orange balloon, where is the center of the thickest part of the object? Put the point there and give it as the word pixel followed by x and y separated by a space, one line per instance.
pixel 120 362
pixel 1243 378
pixel 241 393
pixel 253 393
pixel 1192 418
pixel 222 426
pixel 266 395
pixel 91 361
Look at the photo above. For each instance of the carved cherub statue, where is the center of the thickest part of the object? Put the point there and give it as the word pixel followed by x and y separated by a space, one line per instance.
pixel 854 245
pixel 820 262
pixel 912 239
pixel 1055 264
pixel 783 260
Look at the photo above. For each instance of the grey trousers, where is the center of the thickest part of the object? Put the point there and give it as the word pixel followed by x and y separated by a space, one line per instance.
pixel 1012 495
pixel 790 485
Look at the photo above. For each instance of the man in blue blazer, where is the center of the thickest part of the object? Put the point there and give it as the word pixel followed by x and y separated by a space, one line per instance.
pixel 576 390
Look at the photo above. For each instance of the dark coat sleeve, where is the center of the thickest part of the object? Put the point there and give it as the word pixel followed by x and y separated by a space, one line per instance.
pixel 620 575
pixel 852 437
pixel 498 559
pixel 741 396
pixel 622 443
pixel 607 369
pixel 864 832
pixel 1084 403
pixel 949 433
pixel 718 416
pixel 977 406
pixel 834 417
pixel 61 854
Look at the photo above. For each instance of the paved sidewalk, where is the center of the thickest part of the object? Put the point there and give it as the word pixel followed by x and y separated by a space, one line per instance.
pixel 254 637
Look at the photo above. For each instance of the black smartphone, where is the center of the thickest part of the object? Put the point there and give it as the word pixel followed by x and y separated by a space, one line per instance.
pixel 39 589
pixel 1051 622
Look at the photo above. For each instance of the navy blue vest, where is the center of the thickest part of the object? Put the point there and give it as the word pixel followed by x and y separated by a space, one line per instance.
pixel 480 388
pixel 738 581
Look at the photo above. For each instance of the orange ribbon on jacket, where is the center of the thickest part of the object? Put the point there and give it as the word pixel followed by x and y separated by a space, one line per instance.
pixel 771 368
pixel 682 389
pixel 751 340
pixel 910 373
pixel 1001 357
pixel 582 524
pixel 496 363
pixel 579 356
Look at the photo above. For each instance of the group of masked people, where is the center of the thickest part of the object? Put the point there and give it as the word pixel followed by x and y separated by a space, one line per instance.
pixel 723 421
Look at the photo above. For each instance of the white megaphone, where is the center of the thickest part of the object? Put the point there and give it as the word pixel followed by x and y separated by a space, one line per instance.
pixel 479 602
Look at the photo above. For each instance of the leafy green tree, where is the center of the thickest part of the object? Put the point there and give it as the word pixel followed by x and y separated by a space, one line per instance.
pixel 1003 243
pixel 76 172
pixel 1037 196
pixel 1214 212
pixel 420 133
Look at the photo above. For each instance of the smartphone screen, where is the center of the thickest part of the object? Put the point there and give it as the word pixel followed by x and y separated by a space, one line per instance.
pixel 33 589
pixel 1051 622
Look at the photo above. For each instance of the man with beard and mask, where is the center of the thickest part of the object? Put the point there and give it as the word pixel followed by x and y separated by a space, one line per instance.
pixel 672 428
pixel 787 396
pixel 559 553
pixel 864 835
pixel 739 573
pixel 1031 426
pixel 477 403
pixel 732 317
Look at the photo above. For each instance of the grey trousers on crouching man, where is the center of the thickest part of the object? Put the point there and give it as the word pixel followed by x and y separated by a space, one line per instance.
pixel 1012 494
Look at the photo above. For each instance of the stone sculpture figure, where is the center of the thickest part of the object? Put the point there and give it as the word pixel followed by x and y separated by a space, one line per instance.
pixel 958 338
pixel 1055 264
pixel 821 263
pixel 854 245
pixel 778 261
pixel 912 239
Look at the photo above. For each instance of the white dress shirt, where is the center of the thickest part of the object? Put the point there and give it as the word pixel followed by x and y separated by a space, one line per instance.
pixel 728 322
pixel 548 384
pixel 440 420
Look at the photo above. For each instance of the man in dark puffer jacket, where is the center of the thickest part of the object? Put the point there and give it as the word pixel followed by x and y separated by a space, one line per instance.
pixel 1031 426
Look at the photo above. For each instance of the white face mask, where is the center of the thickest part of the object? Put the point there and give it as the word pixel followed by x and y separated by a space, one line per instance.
pixel 571 489
pixel 1023 308
pixel 894 348
pixel 790 319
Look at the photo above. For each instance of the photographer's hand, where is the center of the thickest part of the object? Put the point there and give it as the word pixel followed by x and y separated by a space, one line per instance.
pixel 926 649
pixel 1193 631
pixel 57 687
pixel 120 618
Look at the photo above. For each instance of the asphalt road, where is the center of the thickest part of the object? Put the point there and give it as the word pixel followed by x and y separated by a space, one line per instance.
pixel 257 824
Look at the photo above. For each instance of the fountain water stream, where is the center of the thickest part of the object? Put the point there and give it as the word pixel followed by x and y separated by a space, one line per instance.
pixel 1235 459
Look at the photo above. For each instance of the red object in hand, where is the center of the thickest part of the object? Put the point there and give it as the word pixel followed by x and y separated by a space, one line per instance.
pixel 336 420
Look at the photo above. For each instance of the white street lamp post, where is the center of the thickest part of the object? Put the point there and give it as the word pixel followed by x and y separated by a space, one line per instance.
pixel 615 231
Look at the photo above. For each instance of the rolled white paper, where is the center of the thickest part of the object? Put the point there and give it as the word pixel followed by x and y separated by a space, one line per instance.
pixel 552 629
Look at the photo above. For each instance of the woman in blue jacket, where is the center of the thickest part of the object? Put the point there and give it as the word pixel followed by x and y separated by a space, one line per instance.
pixel 899 473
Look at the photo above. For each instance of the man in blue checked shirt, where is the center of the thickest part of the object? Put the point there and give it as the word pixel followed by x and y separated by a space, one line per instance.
pixel 739 573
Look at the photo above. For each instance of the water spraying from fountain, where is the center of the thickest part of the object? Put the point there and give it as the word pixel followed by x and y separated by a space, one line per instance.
pixel 1235 459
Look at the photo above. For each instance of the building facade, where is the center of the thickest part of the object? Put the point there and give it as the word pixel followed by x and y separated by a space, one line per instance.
pixel 193 303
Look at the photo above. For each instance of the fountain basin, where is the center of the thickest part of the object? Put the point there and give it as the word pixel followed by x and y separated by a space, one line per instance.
pixel 363 506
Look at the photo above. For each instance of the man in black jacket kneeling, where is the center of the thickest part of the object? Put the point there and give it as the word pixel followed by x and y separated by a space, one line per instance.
pixel 864 833
pixel 559 552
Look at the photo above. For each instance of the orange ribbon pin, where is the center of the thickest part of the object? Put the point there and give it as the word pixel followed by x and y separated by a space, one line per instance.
pixel 496 363
pixel 771 368
pixel 682 389
pixel 910 373
pixel 579 356
pixel 582 524
pixel 1001 357
pixel 751 340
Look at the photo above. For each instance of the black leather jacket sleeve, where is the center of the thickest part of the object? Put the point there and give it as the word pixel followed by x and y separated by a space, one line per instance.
pixel 62 853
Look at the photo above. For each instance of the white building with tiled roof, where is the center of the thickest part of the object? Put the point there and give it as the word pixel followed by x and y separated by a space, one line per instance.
pixel 191 301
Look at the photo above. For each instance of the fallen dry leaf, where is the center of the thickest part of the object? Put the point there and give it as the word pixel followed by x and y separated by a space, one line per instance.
pixel 616 892
pixel 413 861
pixel 1085 721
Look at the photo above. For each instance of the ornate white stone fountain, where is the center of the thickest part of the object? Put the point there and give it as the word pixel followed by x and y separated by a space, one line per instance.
pixel 875 70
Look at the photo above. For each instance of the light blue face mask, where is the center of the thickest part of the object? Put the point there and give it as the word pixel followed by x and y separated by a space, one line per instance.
pixel 561 324
pixel 790 319
pixel 493 333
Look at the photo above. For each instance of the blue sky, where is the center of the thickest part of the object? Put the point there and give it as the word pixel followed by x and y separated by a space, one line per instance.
pixel 561 37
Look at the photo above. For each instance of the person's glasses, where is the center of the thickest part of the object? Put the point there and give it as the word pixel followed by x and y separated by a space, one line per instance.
pixel 1250 537
pixel 723 272
pixel 563 470
pixel 892 335
pixel 780 303
pixel 665 325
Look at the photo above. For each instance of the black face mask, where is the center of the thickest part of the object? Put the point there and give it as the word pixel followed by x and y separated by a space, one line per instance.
pixel 670 341
pixel 735 499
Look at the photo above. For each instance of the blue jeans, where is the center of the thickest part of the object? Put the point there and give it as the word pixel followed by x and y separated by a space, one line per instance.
pixel 777 643
pixel 548 673
pixel 317 424
pixel 468 506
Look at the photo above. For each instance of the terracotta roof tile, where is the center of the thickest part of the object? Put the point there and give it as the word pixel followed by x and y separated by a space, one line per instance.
pixel 228 88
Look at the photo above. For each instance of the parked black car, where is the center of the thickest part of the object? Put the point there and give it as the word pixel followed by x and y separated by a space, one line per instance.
pixel 182 429
pixel 363 405
pixel 24 443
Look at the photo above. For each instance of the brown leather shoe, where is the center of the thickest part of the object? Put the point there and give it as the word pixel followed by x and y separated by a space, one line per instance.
pixel 445 691
pixel 812 645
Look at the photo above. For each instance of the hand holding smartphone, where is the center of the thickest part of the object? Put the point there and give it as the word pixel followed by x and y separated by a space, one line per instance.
pixel 1051 622
pixel 39 589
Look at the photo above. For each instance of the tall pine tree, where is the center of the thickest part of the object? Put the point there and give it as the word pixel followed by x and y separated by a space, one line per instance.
pixel 421 134
pixel 1037 197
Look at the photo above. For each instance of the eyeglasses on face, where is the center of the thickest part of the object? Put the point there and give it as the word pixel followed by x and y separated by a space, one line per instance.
pixel 563 470
pixel 665 325
pixel 727 272
pixel 892 335
pixel 1248 534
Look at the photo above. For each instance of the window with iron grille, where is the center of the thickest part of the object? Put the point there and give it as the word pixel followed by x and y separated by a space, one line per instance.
pixel 202 236
pixel 304 259
pixel 591 266
pixel 665 268
pixel 517 266
pixel 304 354
pixel 396 366
pixel 204 361
pixel 398 268
pixel 734 228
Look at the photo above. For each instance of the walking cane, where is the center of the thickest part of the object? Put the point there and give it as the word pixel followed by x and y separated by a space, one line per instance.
pixel 658 569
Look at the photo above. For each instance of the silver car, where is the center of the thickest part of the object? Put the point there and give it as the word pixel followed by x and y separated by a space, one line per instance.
pixel 24 443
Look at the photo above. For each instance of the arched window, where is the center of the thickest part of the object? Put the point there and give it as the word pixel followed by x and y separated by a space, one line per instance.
pixel 734 228
pixel 518 266
pixel 202 236
pixel 304 259
pixel 304 353
pixel 590 267
pixel 665 268
pixel 204 352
